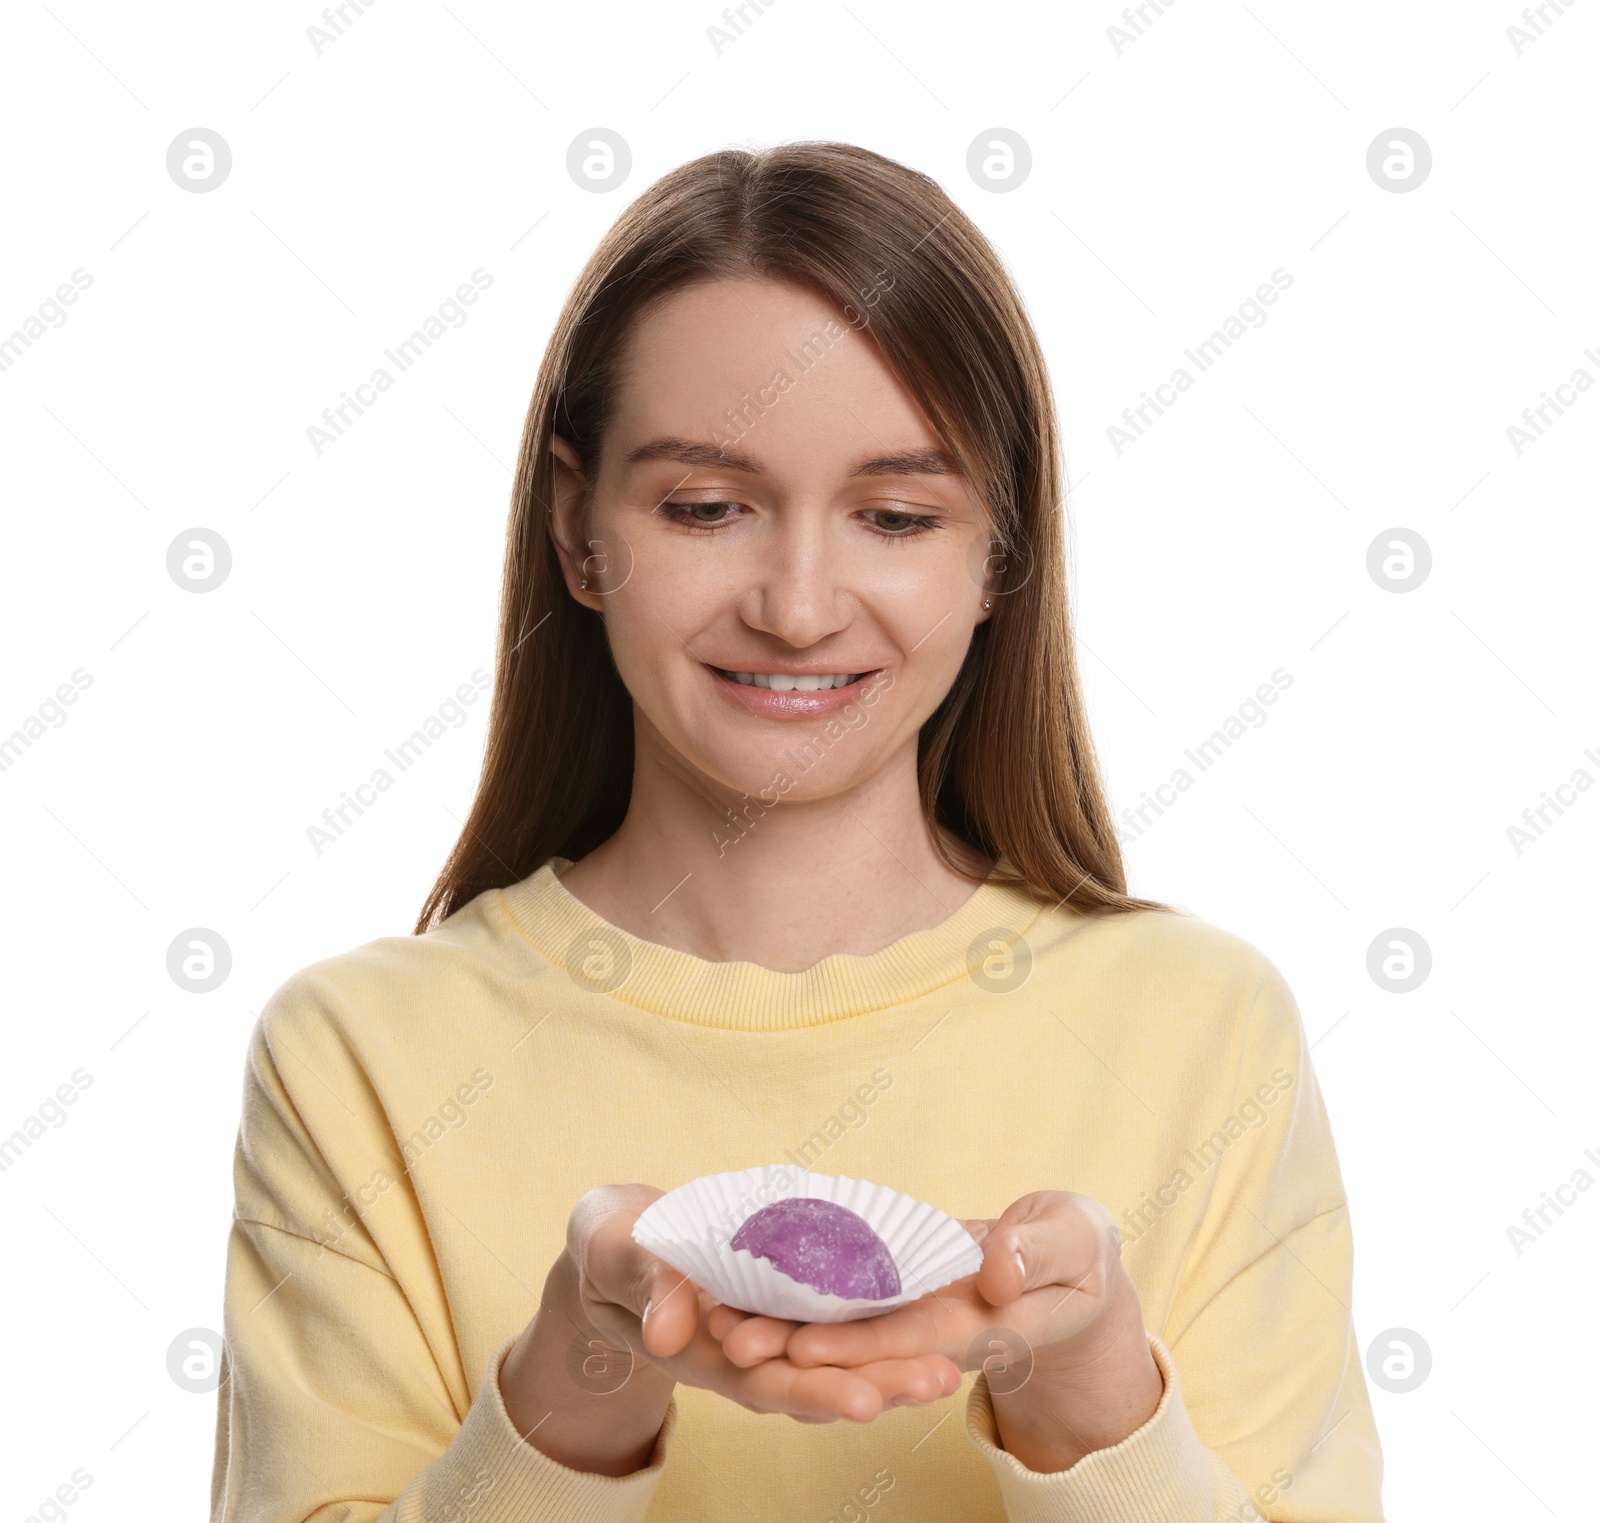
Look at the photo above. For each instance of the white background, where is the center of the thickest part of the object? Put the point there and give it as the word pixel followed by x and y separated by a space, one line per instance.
pixel 1169 179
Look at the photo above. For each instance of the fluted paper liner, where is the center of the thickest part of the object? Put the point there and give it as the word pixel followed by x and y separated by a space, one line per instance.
pixel 691 1228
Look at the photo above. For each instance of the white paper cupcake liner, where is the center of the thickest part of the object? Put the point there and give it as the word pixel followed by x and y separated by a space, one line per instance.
pixel 691 1228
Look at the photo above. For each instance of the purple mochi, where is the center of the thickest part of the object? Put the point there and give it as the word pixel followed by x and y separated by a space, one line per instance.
pixel 822 1245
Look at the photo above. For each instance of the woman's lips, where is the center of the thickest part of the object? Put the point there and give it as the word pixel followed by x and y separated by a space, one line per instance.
pixel 770 704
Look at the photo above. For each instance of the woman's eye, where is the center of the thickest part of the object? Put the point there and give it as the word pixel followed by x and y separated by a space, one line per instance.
pixel 894 524
pixel 701 515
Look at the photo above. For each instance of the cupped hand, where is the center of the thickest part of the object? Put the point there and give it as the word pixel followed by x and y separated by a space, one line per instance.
pixel 640 1302
pixel 1051 1316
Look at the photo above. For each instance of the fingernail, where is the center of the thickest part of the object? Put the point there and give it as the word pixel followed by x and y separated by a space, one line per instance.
pixel 644 1316
pixel 1022 1268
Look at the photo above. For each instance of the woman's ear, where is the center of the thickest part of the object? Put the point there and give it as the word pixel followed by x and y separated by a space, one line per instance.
pixel 993 573
pixel 570 489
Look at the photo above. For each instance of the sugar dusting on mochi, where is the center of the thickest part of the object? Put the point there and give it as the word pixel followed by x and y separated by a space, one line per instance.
pixel 823 1245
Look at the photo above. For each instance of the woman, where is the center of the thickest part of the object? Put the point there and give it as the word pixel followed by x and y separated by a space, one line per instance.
pixel 790 846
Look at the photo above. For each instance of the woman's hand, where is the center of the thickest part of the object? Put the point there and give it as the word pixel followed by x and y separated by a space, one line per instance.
pixel 1051 1317
pixel 589 1379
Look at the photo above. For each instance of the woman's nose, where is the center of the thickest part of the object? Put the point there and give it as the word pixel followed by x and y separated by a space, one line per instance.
pixel 797 586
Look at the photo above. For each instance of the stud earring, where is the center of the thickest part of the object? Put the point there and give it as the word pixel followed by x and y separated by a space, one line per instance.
pixel 583 582
pixel 986 602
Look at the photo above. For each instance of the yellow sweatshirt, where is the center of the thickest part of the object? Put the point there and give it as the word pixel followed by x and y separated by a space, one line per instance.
pixel 422 1113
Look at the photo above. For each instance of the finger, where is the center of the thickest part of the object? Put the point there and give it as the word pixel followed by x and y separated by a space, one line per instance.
pixel 827 1393
pixel 722 1318
pixel 670 1314
pixel 1050 1237
pixel 755 1338
pixel 668 1303
pixel 995 1282
pixel 912 1382
pixel 615 1271
pixel 978 1227
pixel 907 1332
pixel 1003 1275
pixel 823 1394
pixel 886 1383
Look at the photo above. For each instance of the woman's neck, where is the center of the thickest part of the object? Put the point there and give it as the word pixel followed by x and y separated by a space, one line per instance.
pixel 783 884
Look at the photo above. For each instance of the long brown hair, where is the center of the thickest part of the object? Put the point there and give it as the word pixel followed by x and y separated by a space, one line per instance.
pixel 1006 762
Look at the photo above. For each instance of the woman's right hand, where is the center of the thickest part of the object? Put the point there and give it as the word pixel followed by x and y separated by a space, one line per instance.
pixel 589 1380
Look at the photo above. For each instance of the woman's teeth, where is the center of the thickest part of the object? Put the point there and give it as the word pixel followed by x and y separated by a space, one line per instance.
pixel 793 682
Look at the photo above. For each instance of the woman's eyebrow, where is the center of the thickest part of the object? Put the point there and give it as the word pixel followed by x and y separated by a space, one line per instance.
pixel 917 462
pixel 688 452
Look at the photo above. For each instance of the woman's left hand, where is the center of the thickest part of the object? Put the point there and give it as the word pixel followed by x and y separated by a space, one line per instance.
pixel 1051 1316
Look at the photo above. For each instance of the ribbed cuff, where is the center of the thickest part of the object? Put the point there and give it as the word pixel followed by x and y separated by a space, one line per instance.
pixel 492 1475
pixel 1161 1470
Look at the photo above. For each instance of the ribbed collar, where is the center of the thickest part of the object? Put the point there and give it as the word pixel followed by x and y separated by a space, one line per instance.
pixel 744 996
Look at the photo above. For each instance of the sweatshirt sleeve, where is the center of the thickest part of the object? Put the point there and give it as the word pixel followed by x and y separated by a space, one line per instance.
pixel 342 1397
pixel 1265 1412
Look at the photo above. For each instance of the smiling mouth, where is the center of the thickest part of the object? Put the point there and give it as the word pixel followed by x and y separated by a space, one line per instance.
pixel 792 682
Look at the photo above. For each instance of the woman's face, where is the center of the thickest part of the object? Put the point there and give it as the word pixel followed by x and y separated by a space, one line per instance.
pixel 789 567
